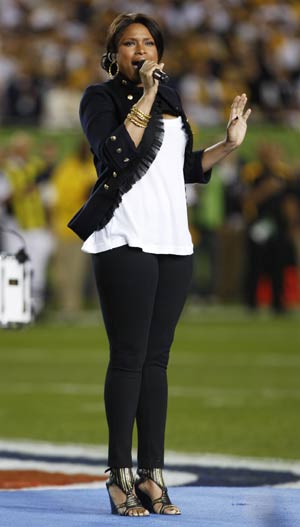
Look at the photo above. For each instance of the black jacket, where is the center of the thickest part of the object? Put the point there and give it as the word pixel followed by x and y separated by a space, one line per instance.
pixel 119 163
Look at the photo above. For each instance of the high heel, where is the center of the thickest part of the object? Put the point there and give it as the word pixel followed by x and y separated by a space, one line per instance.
pixel 159 505
pixel 123 479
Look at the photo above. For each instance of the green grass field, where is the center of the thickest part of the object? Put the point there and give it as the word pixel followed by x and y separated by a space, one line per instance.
pixel 234 382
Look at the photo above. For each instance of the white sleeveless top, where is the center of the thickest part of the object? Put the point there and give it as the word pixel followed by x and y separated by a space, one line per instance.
pixel 153 213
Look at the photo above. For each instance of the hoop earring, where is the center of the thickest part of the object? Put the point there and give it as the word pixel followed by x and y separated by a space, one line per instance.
pixel 110 72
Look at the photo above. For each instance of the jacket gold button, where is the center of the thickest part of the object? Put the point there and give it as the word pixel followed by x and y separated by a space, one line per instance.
pixel 114 174
pixel 126 160
pixel 106 187
pixel 124 82
pixel 130 97
pixel 119 150
pixel 113 138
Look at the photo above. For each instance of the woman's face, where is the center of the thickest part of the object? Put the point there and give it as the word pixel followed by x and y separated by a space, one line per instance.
pixel 136 43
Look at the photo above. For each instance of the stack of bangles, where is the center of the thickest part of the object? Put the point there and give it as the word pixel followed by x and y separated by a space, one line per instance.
pixel 138 117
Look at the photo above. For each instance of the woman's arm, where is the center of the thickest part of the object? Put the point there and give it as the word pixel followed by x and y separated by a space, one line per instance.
pixel 145 103
pixel 236 131
pixel 101 125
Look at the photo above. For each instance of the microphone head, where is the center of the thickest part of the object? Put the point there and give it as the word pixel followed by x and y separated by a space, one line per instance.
pixel 161 76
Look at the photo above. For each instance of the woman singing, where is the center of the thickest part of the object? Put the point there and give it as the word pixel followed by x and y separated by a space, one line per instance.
pixel 135 226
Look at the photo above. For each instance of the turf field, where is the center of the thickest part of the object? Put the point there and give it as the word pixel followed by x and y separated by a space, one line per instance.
pixel 234 382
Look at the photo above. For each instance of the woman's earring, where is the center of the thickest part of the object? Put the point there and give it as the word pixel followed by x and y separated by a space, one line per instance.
pixel 113 66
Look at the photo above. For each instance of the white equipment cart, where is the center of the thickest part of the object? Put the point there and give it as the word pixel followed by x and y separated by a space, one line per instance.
pixel 15 289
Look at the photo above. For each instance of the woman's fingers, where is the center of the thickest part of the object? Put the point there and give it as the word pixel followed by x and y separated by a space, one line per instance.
pixel 238 106
pixel 150 66
pixel 147 70
pixel 247 114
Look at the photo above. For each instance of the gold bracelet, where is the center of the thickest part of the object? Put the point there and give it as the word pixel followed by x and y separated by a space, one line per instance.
pixel 139 113
pixel 135 121
pixel 138 119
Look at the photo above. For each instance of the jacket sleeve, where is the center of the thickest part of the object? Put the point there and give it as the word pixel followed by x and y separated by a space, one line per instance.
pixel 195 173
pixel 109 140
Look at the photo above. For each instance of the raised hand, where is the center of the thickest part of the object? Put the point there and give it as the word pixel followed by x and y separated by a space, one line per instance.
pixel 237 124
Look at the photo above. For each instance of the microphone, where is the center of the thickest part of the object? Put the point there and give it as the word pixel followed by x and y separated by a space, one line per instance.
pixel 157 74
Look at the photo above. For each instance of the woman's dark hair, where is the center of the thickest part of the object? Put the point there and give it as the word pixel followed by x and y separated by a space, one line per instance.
pixel 117 28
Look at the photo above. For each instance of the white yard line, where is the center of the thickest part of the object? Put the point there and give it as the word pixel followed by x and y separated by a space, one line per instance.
pixel 51 387
pixel 27 355
pixel 174 390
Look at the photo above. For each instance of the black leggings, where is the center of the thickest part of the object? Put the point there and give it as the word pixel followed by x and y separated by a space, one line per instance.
pixel 141 296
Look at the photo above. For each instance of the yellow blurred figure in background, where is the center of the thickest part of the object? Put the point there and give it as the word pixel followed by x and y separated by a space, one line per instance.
pixel 72 180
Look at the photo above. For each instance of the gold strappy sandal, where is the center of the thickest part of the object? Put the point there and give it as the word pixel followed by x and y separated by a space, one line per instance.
pixel 123 479
pixel 161 505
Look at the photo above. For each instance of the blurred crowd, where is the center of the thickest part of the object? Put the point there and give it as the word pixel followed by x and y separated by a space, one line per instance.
pixel 50 50
pixel 245 225
pixel 246 230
